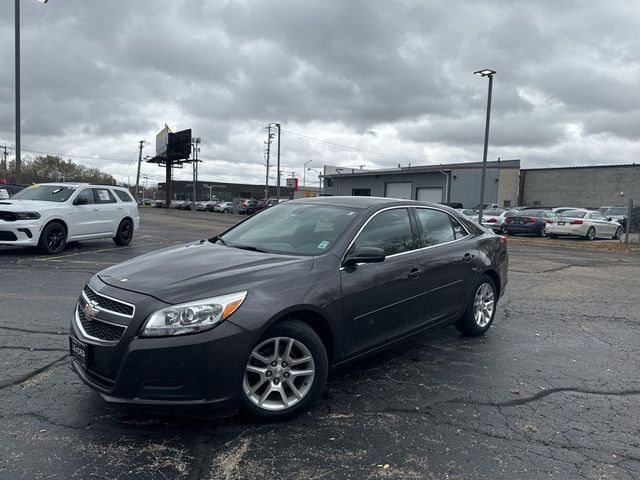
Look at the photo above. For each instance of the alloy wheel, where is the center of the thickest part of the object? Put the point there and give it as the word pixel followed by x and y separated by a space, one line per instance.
pixel 55 239
pixel 279 374
pixel 483 305
pixel 127 232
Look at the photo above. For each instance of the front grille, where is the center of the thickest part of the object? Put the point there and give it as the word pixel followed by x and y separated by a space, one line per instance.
pixel 8 236
pixel 97 329
pixel 7 216
pixel 109 304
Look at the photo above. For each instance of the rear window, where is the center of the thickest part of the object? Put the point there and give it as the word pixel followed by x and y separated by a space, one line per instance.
pixel 124 196
pixel 616 211
pixel 531 213
pixel 574 214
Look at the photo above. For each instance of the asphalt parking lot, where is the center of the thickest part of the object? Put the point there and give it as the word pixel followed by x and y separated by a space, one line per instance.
pixel 552 390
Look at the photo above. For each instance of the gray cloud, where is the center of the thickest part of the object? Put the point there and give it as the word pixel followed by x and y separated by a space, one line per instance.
pixel 98 76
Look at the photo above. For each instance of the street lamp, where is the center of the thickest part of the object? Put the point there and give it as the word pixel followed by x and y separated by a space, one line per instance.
pixel 485 73
pixel 304 173
pixel 17 60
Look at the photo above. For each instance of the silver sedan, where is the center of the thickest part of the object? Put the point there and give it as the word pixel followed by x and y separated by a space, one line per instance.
pixel 584 223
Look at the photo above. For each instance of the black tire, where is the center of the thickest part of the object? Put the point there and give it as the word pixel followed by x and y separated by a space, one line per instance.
pixel 53 238
pixel 225 211
pixel 618 234
pixel 540 233
pixel 553 235
pixel 467 324
pixel 591 234
pixel 299 332
pixel 124 235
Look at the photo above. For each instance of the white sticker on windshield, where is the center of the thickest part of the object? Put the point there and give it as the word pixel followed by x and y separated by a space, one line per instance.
pixel 4 194
pixel 323 244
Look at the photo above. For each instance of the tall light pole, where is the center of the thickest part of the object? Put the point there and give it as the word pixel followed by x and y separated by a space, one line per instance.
pixel 17 87
pixel 319 180
pixel 304 172
pixel 485 73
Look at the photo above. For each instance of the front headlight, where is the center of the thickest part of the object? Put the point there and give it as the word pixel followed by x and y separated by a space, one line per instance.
pixel 27 215
pixel 192 317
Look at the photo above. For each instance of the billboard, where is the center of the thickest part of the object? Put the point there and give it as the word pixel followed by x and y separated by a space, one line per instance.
pixel 179 144
pixel 162 141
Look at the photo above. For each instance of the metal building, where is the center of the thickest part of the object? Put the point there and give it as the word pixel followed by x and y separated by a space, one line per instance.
pixel 458 182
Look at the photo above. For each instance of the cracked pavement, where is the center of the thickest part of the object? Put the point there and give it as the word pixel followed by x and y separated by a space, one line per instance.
pixel 552 390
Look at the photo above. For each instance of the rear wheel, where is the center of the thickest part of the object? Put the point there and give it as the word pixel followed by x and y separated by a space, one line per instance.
pixel 591 234
pixel 124 233
pixel 480 312
pixel 618 234
pixel 226 210
pixel 53 238
pixel 286 371
pixel 553 235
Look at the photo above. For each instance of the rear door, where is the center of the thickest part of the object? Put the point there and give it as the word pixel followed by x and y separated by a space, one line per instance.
pixel 384 300
pixel 108 212
pixel 451 263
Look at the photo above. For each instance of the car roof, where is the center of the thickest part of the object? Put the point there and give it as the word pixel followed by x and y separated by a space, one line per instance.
pixel 367 202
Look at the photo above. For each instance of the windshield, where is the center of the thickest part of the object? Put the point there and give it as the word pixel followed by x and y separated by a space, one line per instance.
pixel 47 193
pixel 574 214
pixel 291 228
pixel 616 211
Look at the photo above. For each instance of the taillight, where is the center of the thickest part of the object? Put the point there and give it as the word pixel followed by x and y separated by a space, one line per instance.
pixel 549 221
pixel 492 220
pixel 531 220
pixel 507 220
pixel 576 222
pixel 503 240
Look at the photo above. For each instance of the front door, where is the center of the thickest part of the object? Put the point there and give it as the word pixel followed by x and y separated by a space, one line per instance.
pixel 85 214
pixel 383 300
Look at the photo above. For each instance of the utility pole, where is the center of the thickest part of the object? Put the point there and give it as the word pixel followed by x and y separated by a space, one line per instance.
pixel 268 153
pixel 4 162
pixel 278 189
pixel 141 142
pixel 196 149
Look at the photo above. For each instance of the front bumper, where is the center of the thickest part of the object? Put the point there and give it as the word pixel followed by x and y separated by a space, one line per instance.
pixel 20 232
pixel 200 369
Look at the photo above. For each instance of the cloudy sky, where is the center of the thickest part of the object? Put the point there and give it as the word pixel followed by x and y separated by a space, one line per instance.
pixel 353 82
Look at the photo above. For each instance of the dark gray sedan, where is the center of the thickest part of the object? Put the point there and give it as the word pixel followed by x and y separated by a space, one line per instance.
pixel 256 317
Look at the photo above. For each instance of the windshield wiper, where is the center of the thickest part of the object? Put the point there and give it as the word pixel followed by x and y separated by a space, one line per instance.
pixel 249 247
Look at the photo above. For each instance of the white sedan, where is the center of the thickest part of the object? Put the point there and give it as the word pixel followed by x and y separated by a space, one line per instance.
pixel 584 223
pixel 49 215
pixel 494 219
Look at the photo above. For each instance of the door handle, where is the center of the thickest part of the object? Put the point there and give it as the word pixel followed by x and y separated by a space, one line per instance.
pixel 414 273
pixel 468 257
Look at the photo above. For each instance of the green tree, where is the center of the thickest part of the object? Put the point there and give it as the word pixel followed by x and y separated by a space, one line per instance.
pixel 50 168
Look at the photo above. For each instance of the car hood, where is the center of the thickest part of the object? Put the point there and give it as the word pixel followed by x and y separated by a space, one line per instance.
pixel 18 205
pixel 201 269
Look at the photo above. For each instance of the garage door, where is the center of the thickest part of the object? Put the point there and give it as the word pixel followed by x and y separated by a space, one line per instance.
pixel 398 190
pixel 430 195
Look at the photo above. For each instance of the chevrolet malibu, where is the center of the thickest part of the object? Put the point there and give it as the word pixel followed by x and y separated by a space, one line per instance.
pixel 255 317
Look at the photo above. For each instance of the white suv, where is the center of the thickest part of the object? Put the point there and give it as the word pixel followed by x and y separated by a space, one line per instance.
pixel 51 214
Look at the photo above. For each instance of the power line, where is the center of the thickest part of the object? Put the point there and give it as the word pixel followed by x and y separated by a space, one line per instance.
pixel 345 147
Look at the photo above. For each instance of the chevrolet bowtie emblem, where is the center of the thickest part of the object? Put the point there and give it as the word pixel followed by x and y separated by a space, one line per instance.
pixel 89 309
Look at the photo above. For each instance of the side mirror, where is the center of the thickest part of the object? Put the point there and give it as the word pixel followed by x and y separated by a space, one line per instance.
pixel 365 255
pixel 610 219
pixel 80 201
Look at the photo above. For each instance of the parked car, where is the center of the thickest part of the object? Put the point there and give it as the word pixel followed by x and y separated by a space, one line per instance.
pixel 255 317
pixel 199 206
pixel 532 222
pixel 49 215
pixel 559 210
pixel 159 204
pixel 585 223
pixel 494 219
pixel 224 207
pixel 487 206
pixel 456 205
pixel 472 214
pixel 145 201
pixel 618 214
pixel 247 207
pixel 7 190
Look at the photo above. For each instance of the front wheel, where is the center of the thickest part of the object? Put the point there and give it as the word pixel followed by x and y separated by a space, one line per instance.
pixel 286 371
pixel 480 312
pixel 618 234
pixel 53 238
pixel 124 233
pixel 226 211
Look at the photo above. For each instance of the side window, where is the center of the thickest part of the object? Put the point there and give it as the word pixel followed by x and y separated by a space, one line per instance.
pixel 458 229
pixel 86 197
pixel 389 230
pixel 124 196
pixel 104 195
pixel 437 227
